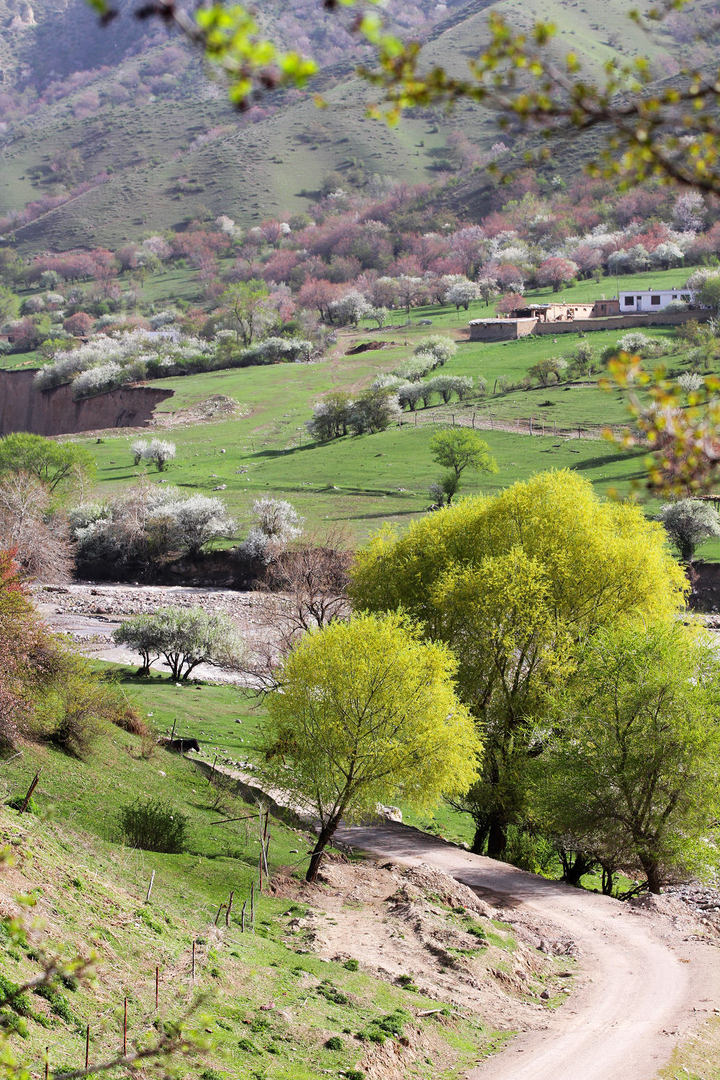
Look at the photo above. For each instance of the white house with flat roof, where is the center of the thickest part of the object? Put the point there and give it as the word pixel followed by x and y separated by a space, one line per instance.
pixel 650 300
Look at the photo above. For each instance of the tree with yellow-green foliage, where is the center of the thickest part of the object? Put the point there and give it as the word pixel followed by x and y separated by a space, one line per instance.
pixel 366 712
pixel 516 584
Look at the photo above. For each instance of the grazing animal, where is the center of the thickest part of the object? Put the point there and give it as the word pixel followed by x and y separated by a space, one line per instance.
pixel 179 746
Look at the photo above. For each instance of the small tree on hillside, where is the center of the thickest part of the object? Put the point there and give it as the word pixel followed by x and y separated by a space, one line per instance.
pixel 440 347
pixel 556 272
pixel 510 302
pixel 185 637
pixel 367 711
pixel 689 523
pixel 458 449
pixel 138 450
pixel 374 410
pixel 140 634
pixel 56 465
pixel 248 310
pixel 277 524
pixel 160 452
pixel 461 294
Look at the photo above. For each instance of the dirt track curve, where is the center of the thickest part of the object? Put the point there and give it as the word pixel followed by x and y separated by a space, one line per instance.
pixel 643 985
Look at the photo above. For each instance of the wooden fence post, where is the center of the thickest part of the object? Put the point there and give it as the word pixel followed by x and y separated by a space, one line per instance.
pixel 125 1030
pixel 32 787
pixel 87 1046
pixel 157 986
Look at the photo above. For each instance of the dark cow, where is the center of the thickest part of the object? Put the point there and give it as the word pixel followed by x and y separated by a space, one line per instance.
pixel 179 746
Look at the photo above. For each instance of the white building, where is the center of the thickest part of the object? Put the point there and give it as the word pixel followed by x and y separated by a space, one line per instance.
pixel 652 300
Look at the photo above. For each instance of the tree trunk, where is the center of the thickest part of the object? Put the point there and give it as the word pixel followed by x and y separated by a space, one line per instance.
pixel 480 837
pixel 575 865
pixel 652 873
pixel 325 836
pixel 497 838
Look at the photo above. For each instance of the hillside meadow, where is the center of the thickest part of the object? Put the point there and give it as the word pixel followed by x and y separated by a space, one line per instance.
pixel 262 1002
pixel 360 482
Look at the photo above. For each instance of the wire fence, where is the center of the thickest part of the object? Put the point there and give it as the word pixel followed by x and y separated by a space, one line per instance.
pixel 487 420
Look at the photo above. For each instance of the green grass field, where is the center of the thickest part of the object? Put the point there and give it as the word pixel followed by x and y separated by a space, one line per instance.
pixel 364 481
pixel 90 892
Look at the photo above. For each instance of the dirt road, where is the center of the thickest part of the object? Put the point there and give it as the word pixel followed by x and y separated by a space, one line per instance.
pixel 643 984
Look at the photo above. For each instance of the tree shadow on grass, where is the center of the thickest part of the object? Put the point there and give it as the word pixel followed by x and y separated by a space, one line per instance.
pixel 379 514
pixel 288 450
pixel 609 459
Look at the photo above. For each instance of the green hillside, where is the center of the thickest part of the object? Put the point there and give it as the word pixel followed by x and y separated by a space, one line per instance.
pixel 173 150
pixel 263 1002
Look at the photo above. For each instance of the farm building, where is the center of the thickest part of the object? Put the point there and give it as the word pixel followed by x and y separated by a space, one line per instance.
pixel 622 312
pixel 652 300
pixel 549 313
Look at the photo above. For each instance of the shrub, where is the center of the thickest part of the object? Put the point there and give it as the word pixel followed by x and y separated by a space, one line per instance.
pixel 153 825
pixel 145 525
pixel 56 1001
pixel 417 367
pixel 160 452
pixel 438 346
pixel 640 344
pixel 690 381
pixel 99 380
pixel 334 1043
pixel 18 801
pixel 273 350
pixel 68 714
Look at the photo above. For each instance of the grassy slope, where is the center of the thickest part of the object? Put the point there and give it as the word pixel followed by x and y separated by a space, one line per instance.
pixel 243 168
pixel 230 724
pixel 365 481
pixel 90 893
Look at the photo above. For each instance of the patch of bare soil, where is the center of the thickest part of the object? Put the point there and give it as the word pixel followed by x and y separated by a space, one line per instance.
pixel 419 926
pixel 216 407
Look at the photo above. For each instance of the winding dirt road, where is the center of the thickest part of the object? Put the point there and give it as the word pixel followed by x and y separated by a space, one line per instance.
pixel 643 984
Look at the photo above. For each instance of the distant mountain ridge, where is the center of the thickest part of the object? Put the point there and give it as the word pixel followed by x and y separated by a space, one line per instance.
pixel 123 128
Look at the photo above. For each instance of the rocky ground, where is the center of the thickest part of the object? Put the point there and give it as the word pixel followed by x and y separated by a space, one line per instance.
pixel 89 614
pixel 419 925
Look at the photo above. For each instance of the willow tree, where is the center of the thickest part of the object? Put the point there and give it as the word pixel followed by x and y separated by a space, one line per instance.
pixel 631 773
pixel 516 584
pixel 366 713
